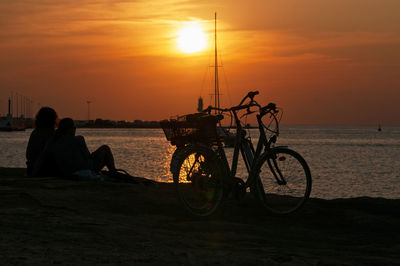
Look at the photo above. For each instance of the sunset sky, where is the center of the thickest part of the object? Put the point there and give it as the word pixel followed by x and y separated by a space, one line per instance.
pixel 322 61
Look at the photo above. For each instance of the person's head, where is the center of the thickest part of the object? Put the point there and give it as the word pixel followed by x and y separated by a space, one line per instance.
pixel 66 126
pixel 46 118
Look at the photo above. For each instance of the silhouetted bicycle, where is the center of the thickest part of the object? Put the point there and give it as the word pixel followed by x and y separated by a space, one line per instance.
pixel 278 176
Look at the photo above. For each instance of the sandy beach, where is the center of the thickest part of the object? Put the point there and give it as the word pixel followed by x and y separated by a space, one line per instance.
pixel 49 221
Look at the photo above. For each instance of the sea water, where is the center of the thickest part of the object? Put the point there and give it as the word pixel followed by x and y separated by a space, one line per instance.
pixel 345 161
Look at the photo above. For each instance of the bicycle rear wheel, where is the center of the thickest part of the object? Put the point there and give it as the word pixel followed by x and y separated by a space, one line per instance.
pixel 283 181
pixel 198 179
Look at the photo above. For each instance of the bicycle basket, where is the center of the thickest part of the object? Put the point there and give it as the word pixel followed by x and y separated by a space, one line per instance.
pixel 199 127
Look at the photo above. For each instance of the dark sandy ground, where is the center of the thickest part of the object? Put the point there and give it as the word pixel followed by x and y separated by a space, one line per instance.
pixel 48 221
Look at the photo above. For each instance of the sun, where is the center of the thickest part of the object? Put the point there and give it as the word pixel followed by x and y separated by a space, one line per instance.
pixel 191 39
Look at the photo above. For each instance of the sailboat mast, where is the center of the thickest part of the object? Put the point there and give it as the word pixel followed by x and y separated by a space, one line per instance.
pixel 216 87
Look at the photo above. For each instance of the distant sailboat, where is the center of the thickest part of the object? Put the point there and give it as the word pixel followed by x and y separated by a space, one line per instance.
pixel 216 93
pixel 379 127
pixel 229 137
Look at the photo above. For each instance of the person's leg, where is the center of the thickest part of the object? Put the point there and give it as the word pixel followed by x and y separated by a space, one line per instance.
pixel 103 157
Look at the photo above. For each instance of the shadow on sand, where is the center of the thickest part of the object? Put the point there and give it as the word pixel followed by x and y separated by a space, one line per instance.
pixel 51 221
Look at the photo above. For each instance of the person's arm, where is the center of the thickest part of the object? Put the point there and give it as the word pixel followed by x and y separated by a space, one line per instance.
pixel 83 147
pixel 84 150
pixel 43 159
pixel 39 164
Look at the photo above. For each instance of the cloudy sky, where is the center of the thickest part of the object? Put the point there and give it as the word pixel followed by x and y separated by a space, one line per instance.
pixel 323 62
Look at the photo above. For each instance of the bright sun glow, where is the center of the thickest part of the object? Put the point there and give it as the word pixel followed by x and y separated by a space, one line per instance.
pixel 191 39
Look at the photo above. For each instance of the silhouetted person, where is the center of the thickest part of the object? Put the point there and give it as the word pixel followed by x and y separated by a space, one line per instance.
pixel 72 156
pixel 45 123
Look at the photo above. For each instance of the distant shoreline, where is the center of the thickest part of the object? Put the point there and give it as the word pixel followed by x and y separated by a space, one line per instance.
pixel 158 126
pixel 119 126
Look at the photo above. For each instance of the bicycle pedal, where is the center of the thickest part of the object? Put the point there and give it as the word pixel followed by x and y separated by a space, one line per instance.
pixel 238 189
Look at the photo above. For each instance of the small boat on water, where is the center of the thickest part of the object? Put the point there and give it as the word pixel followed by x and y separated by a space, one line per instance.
pixel 379 127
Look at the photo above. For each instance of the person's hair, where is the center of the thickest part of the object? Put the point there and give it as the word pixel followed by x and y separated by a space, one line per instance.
pixel 65 125
pixel 46 118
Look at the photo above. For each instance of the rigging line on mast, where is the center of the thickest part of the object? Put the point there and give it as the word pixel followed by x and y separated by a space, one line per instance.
pixel 216 95
pixel 227 87
pixel 206 73
pixel 203 81
pixel 224 73
pixel 216 66
pixel 210 80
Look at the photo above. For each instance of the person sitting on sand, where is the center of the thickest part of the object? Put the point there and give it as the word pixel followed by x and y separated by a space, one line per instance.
pixel 45 124
pixel 72 155
pixel 72 158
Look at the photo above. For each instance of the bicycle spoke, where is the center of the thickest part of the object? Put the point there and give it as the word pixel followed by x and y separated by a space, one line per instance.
pixel 290 188
pixel 198 185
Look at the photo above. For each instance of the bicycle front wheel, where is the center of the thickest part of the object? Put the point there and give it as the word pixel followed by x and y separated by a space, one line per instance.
pixel 198 179
pixel 282 181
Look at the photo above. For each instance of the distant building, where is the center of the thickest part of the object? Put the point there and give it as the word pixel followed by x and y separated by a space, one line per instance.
pixel 8 123
pixel 80 123
pixel 200 105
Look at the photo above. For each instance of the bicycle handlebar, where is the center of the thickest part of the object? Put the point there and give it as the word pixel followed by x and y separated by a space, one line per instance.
pixel 234 108
pixel 268 109
pixel 270 106
pixel 251 94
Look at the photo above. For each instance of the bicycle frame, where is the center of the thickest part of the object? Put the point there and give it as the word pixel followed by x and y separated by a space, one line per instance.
pixel 246 148
pixel 210 178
